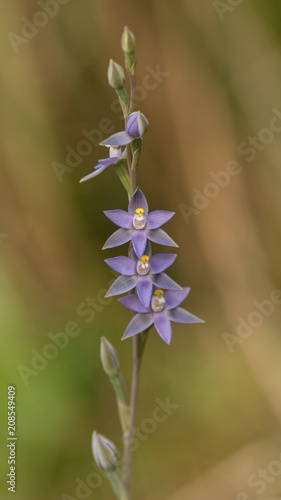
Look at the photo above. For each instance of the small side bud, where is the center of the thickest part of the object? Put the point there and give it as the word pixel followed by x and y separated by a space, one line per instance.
pixel 109 358
pixel 128 41
pixel 116 75
pixel 105 452
pixel 137 124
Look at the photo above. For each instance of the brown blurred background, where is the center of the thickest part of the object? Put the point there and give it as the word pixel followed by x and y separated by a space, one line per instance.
pixel 214 106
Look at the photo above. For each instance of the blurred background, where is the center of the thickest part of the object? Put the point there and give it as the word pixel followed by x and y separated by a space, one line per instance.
pixel 209 79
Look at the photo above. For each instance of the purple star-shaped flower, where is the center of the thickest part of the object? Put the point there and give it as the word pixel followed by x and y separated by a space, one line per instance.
pixel 138 225
pixel 142 273
pixel 115 154
pixel 137 125
pixel 162 310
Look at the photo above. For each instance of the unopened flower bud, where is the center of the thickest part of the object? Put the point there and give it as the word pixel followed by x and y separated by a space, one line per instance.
pixel 116 75
pixel 137 124
pixel 105 452
pixel 127 41
pixel 109 358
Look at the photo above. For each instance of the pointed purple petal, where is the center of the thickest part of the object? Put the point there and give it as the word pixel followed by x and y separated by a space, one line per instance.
pixel 175 297
pixel 138 324
pixel 137 124
pixel 146 252
pixel 120 218
pixel 122 284
pixel 162 280
pixel 180 315
pixel 159 236
pixel 162 324
pixel 158 218
pixel 133 302
pixel 93 174
pixel 122 265
pixel 161 261
pixel 144 290
pixel 132 125
pixel 120 237
pixel 108 161
pixel 139 239
pixel 119 139
pixel 138 200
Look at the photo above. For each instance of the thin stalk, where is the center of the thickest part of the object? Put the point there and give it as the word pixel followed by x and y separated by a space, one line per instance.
pixel 129 160
pixel 133 93
pixel 137 351
pixel 127 461
pixel 126 112
pixel 128 437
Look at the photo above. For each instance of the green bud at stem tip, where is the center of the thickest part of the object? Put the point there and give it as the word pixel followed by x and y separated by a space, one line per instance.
pixel 109 358
pixel 116 75
pixel 128 41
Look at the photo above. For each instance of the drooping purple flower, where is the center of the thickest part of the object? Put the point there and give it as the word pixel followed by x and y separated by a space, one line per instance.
pixel 138 225
pixel 162 310
pixel 137 125
pixel 115 154
pixel 142 273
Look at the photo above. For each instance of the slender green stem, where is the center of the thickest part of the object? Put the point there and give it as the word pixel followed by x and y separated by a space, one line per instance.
pixel 131 108
pixel 132 160
pixel 124 494
pixel 127 460
pixel 115 481
pixel 128 436
pixel 126 112
pixel 133 93
pixel 129 159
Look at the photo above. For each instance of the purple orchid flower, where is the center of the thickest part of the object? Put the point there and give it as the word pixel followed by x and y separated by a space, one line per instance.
pixel 115 154
pixel 137 125
pixel 142 273
pixel 162 310
pixel 138 225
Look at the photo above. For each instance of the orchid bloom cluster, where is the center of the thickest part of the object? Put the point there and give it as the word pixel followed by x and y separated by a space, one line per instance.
pixel 154 297
pixel 145 271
